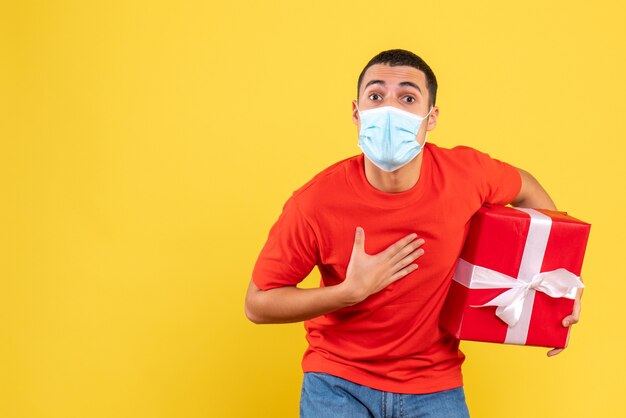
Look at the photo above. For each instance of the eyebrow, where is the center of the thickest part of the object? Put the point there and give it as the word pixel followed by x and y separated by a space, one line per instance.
pixel 402 84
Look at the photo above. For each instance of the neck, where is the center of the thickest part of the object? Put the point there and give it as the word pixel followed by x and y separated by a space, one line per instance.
pixel 397 181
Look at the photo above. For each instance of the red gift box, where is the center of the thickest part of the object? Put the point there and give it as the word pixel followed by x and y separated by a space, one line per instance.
pixel 517 277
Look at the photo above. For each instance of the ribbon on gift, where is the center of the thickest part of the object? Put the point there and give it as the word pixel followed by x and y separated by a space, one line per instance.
pixel 515 305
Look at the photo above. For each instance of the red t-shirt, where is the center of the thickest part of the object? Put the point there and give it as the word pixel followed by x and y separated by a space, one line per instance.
pixel 391 341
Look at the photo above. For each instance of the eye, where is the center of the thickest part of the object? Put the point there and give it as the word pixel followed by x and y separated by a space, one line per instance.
pixel 375 96
pixel 409 99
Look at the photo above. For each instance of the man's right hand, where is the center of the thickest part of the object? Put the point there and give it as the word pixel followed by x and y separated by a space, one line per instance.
pixel 369 274
pixel 366 274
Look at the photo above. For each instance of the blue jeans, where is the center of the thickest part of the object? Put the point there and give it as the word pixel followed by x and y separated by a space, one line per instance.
pixel 327 396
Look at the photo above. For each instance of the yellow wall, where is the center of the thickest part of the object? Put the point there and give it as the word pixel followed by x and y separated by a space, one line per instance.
pixel 147 148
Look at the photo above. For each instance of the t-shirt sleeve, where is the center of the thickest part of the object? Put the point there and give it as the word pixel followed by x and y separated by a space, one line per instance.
pixel 501 182
pixel 290 252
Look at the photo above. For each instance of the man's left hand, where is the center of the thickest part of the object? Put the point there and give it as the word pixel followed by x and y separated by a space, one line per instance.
pixel 569 321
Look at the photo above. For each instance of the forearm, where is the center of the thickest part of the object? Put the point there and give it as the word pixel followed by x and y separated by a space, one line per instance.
pixel 532 194
pixel 292 304
pixel 365 275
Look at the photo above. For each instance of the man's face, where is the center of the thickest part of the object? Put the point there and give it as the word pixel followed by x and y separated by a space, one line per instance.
pixel 403 87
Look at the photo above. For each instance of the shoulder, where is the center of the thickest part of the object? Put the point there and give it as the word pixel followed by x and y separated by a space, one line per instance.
pixel 468 164
pixel 460 151
pixel 330 181
pixel 461 156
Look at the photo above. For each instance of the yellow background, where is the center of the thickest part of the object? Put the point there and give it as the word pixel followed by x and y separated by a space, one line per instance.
pixel 147 148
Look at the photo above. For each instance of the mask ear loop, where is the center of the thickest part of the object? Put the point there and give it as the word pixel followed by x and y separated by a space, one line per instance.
pixel 426 119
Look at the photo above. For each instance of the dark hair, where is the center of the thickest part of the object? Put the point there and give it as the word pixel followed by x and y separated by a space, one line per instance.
pixel 397 57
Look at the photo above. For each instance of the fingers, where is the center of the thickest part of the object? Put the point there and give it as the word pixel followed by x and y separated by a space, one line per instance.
pixel 567 321
pixel 579 293
pixel 401 254
pixel 407 260
pixel 570 320
pixel 359 239
pixel 554 352
pixel 407 251
pixel 573 318
pixel 396 247
pixel 403 272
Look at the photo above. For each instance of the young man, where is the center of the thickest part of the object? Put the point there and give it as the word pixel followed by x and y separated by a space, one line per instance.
pixel 385 228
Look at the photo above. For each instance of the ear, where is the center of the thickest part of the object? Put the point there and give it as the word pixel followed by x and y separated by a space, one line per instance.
pixel 432 119
pixel 355 113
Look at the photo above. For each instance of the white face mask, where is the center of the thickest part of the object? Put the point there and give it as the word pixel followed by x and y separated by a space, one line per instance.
pixel 388 136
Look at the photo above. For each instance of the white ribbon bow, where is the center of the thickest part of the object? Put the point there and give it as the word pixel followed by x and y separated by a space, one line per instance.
pixel 559 283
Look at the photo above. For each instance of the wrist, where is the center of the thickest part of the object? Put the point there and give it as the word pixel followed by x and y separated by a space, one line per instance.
pixel 346 295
